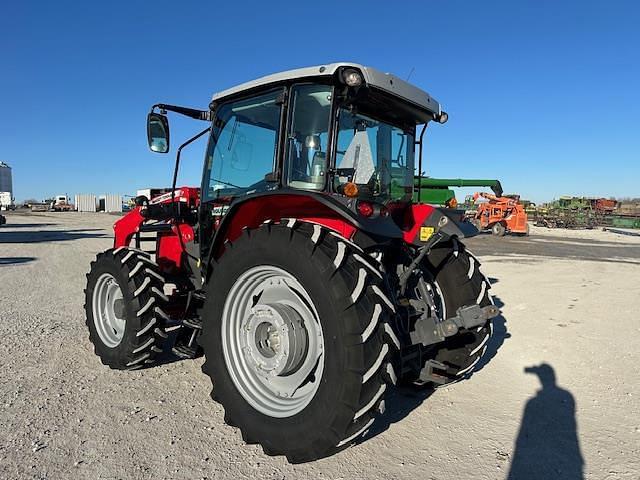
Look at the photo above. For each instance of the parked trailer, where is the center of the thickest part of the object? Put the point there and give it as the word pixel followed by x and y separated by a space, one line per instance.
pixel 40 207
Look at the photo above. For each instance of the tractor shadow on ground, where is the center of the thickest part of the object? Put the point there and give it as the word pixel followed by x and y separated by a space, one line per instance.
pixel 29 225
pixel 15 260
pixel 43 236
pixel 500 334
pixel 167 356
pixel 401 401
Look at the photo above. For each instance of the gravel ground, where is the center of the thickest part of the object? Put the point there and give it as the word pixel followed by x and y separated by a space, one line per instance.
pixel 569 301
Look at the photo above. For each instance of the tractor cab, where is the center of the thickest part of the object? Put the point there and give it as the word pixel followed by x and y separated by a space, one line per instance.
pixel 339 137
pixel 323 129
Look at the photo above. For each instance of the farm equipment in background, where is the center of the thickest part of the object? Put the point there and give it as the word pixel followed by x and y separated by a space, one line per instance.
pixel 577 212
pixel 61 203
pixel 530 208
pixel 501 214
pixel 41 206
pixel 437 191
pixel 626 214
pixel 303 270
pixel 606 206
pixel 620 221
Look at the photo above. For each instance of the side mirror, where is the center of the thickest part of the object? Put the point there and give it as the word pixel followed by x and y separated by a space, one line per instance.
pixel 158 132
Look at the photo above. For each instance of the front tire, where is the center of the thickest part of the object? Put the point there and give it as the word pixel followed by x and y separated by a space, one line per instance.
pixel 124 302
pixel 340 302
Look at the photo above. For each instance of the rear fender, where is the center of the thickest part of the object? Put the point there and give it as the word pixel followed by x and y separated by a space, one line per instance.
pixel 254 211
pixel 424 220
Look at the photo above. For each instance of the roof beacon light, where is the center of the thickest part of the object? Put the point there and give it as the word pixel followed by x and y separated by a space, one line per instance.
pixel 352 78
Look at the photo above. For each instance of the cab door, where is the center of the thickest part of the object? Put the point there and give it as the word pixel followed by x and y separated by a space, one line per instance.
pixel 241 159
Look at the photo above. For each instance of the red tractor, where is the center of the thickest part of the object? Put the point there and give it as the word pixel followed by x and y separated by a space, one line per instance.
pixel 301 268
pixel 504 214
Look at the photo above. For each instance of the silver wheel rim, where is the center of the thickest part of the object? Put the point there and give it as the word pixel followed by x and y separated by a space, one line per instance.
pixel 108 310
pixel 272 341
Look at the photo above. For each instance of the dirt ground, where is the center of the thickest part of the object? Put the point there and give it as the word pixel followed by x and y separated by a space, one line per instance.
pixel 569 302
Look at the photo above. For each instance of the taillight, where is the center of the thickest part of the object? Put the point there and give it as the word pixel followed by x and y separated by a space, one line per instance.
pixel 365 209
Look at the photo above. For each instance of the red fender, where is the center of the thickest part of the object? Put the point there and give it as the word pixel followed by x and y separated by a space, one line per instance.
pixel 414 218
pixel 253 212
pixel 125 228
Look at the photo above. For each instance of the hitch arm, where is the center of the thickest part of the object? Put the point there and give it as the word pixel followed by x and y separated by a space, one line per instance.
pixel 424 250
pixel 427 331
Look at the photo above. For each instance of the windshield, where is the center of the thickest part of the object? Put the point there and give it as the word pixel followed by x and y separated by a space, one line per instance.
pixel 376 156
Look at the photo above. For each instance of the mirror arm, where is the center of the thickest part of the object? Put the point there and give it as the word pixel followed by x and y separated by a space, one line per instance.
pixel 175 170
pixel 189 112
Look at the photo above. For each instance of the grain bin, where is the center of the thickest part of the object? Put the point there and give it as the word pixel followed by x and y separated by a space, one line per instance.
pixel 6 183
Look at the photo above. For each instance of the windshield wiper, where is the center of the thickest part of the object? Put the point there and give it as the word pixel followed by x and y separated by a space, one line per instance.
pixel 226 183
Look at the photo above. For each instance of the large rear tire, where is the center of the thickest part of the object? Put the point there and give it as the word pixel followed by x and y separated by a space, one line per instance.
pixel 459 283
pixel 323 295
pixel 124 302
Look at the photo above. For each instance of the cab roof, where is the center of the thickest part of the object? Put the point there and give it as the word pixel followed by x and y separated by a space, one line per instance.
pixel 375 78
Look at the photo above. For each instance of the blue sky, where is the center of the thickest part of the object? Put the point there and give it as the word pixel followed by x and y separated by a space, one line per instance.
pixel 543 95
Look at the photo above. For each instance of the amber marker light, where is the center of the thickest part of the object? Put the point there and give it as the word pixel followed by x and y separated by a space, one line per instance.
pixel 350 189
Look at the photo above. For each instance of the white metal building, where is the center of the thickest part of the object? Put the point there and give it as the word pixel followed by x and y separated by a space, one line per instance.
pixel 86 203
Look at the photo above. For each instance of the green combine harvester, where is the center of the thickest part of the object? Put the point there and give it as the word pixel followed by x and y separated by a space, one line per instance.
pixel 437 191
